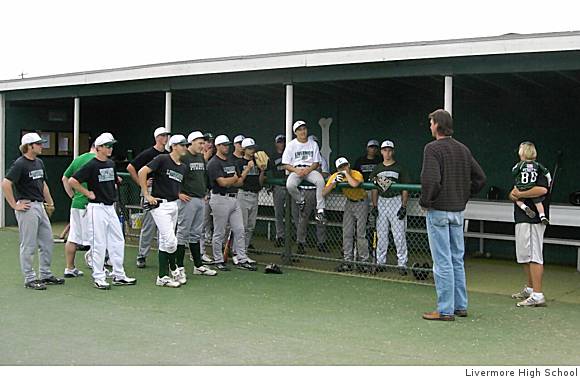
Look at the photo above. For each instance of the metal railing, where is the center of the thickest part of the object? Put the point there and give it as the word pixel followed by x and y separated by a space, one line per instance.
pixel 398 249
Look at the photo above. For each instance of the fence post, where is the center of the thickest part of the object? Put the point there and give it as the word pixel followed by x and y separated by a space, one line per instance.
pixel 286 256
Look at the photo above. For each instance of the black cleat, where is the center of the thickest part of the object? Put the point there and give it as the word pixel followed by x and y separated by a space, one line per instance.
pixel 141 262
pixel 223 267
pixel 246 266
pixel 52 280
pixel 35 285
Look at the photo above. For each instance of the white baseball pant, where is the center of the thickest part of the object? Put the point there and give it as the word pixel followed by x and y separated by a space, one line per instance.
pixel 165 217
pixel 78 231
pixel 105 235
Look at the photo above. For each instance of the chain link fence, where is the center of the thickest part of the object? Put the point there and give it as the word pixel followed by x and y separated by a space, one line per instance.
pixel 354 239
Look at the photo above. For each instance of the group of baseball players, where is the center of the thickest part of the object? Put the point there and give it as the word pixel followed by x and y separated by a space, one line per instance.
pixel 188 187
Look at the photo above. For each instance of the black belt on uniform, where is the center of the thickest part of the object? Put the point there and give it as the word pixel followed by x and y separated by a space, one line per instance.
pixel 301 166
pixel 360 200
pixel 226 194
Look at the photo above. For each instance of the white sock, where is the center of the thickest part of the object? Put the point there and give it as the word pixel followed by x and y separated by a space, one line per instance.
pixel 542 215
pixel 320 210
pixel 528 290
pixel 537 295
pixel 523 206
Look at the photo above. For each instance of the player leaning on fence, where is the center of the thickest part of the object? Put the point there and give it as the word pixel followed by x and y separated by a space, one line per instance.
pixel 354 218
pixel 301 158
pixel 449 176
pixel 391 206
pixel 28 176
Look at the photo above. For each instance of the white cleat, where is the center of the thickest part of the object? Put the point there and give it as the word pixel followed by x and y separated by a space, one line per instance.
pixel 167 282
pixel 204 271
pixel 206 259
pixel 179 275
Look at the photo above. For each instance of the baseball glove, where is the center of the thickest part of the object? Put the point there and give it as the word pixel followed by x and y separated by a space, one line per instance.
pixel 262 159
pixel 384 183
pixel 273 269
pixel 49 209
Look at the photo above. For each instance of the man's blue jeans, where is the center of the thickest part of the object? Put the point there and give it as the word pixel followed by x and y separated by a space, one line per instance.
pixel 445 231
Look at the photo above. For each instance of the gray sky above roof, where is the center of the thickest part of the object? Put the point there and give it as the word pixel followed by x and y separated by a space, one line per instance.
pixel 47 38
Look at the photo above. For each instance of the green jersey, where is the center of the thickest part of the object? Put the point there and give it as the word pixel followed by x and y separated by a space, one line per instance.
pixel 395 172
pixel 194 182
pixel 79 201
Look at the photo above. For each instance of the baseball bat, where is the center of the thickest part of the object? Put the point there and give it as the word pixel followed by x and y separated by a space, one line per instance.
pixel 556 169
pixel 227 247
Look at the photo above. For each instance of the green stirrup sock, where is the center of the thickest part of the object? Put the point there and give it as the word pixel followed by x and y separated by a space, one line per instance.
pixel 196 253
pixel 179 255
pixel 163 264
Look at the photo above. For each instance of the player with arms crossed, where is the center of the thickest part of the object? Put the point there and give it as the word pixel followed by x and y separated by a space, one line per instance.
pixel 104 228
pixel 168 172
pixel 526 175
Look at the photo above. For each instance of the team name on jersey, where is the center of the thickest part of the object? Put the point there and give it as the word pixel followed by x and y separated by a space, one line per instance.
pixel 367 167
pixel 389 174
pixel 174 175
pixel 229 170
pixel 36 174
pixel 303 155
pixel 196 166
pixel 106 174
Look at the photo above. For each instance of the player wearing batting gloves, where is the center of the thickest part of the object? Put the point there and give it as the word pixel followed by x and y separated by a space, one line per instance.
pixel 224 182
pixel 354 218
pixel 301 158
pixel 148 228
pixel 252 179
pixel 391 207
pixel 191 206
pixel 168 172
pixel 78 237
pixel 32 204
pixel 104 228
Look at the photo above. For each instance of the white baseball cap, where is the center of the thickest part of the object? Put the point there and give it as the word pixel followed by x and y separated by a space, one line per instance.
pixel 160 131
pixel 279 138
pixel 239 138
pixel 340 161
pixel 30 138
pixel 221 139
pixel 104 138
pixel 177 139
pixel 195 135
pixel 373 142
pixel 298 124
pixel 249 143
pixel 387 144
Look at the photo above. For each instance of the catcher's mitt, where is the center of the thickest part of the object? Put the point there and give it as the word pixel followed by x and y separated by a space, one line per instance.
pixel 272 268
pixel 262 159
pixel 384 183
pixel 49 209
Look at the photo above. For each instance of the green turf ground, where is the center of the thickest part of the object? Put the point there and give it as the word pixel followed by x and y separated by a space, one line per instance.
pixel 300 317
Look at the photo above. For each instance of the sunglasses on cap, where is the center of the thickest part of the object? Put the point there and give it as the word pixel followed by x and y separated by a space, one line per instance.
pixel 108 145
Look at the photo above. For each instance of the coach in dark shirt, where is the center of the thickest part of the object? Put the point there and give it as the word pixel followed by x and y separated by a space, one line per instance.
pixel 449 176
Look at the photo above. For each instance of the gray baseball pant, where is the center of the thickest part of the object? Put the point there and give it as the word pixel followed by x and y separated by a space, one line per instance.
pixel 314 178
pixel 355 218
pixel 279 194
pixel 388 208
pixel 35 234
pixel 189 220
pixel 249 205
pixel 148 232
pixel 304 217
pixel 227 210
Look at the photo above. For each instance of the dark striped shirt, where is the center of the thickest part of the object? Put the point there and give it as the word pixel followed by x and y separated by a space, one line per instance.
pixel 449 176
